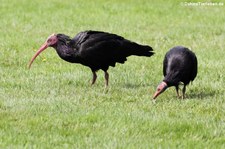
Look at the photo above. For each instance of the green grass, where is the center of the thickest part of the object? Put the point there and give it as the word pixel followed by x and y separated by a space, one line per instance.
pixel 53 105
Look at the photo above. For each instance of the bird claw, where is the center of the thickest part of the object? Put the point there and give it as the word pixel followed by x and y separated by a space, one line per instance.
pixel 181 97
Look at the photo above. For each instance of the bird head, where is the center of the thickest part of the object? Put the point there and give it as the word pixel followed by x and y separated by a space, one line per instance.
pixel 51 41
pixel 161 88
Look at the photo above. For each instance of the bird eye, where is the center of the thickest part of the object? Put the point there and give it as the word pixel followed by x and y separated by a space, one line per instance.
pixel 50 40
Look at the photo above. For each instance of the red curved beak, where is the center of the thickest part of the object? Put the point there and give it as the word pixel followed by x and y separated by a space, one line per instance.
pixel 156 94
pixel 42 48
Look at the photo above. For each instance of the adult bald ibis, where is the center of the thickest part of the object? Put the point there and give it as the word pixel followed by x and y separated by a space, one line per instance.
pixel 94 49
pixel 179 65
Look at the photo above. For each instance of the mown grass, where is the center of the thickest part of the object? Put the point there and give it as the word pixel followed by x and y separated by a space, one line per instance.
pixel 53 105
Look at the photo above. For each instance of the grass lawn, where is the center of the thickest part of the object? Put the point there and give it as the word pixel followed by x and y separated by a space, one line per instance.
pixel 53 105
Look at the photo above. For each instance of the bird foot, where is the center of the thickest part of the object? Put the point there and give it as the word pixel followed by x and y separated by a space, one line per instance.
pixel 106 90
pixel 181 97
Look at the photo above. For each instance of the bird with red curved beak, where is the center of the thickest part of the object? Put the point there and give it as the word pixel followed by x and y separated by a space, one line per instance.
pixel 94 49
pixel 160 89
pixel 51 40
pixel 180 67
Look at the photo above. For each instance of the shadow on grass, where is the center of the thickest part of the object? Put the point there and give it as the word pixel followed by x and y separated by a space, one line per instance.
pixel 202 94
pixel 134 85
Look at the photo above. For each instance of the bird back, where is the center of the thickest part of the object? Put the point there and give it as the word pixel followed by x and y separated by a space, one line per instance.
pixel 180 65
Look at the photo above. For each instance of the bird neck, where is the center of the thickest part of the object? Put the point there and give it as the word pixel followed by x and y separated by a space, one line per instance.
pixel 172 78
pixel 67 53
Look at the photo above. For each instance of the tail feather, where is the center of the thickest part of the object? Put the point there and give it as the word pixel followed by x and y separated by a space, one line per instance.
pixel 139 50
pixel 144 51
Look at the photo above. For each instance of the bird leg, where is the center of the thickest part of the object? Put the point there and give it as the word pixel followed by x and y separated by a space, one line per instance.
pixel 106 78
pixel 183 92
pixel 94 77
pixel 177 91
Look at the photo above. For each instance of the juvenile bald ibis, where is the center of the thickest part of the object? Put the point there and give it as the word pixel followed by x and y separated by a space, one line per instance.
pixel 179 65
pixel 94 49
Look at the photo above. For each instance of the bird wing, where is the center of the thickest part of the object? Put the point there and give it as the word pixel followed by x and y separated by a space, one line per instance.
pixel 100 49
pixel 96 43
pixel 165 64
pixel 104 49
pixel 96 36
pixel 195 68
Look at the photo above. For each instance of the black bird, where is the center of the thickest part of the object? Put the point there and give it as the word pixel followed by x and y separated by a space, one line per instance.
pixel 179 65
pixel 94 49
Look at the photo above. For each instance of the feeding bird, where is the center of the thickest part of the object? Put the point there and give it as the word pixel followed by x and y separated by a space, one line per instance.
pixel 94 49
pixel 179 65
